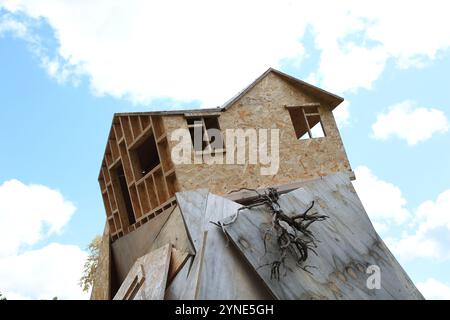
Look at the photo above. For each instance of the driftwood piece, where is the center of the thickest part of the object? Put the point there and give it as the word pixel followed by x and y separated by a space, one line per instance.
pixel 348 245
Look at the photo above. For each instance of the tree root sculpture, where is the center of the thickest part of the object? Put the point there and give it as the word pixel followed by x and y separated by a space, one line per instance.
pixel 291 231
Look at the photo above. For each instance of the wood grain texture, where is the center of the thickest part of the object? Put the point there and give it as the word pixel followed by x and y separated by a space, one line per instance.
pixel 224 273
pixel 174 232
pixel 132 283
pixel 177 261
pixel 348 246
pixel 192 205
pixel 260 108
pixel 176 287
pixel 153 269
pixel 156 266
pixel 129 248
pixel 189 292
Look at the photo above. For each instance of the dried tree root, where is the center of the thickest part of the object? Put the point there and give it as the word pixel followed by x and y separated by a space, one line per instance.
pixel 292 233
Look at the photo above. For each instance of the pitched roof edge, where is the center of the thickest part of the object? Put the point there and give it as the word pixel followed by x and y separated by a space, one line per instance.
pixel 333 99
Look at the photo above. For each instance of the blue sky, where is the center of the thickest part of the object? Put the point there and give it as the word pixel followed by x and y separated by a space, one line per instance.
pixel 60 84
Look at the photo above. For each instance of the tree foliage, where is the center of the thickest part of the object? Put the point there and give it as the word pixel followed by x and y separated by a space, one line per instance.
pixel 90 266
pixel 2 297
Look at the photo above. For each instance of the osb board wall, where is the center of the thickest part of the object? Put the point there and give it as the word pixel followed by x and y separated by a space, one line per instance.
pixel 102 279
pixel 263 107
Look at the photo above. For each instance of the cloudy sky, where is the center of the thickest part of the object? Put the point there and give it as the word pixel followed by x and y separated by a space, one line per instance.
pixel 67 66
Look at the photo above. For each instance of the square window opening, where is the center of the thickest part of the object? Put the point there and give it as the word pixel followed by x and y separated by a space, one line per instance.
pixel 147 155
pixel 211 138
pixel 307 122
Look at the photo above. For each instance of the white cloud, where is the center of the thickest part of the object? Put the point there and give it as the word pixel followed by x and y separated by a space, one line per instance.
pixel 43 274
pixel 350 68
pixel 412 246
pixel 382 200
pixel 431 235
pixel 342 114
pixel 425 231
pixel 357 38
pixel 28 213
pixel 433 289
pixel 409 122
pixel 8 24
pixel 206 50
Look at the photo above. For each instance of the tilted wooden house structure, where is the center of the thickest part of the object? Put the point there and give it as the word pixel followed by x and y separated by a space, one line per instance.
pixel 159 241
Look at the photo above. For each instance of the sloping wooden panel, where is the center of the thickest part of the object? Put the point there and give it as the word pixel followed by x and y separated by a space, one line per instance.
pixel 174 232
pixel 129 248
pixel 132 283
pixel 176 288
pixel 348 246
pixel 224 273
pixel 189 292
pixel 177 261
pixel 192 205
pixel 148 277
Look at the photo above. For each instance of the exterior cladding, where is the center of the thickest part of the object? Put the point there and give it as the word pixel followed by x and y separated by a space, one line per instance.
pixel 263 107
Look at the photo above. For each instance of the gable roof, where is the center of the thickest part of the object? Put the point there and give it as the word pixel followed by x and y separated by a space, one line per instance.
pixel 328 97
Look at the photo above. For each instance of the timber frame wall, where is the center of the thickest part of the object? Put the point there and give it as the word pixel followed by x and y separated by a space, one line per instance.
pixel 150 193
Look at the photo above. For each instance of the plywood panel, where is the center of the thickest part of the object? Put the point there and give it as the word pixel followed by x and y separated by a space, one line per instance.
pixel 177 261
pixel 125 121
pixel 135 202
pixel 160 183
pixel 135 126
pixel 348 246
pixel 126 163
pixel 135 244
pixel 145 121
pixel 118 130
pixel 176 288
pixel 150 186
pixel 143 197
pixel 191 288
pixel 237 280
pixel 158 126
pixel 152 270
pixel 263 107
pixel 192 205
pixel 174 232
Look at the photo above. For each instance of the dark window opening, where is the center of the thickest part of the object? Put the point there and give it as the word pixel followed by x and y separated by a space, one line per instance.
pixel 307 122
pixel 210 140
pixel 147 155
pixel 194 124
pixel 125 195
